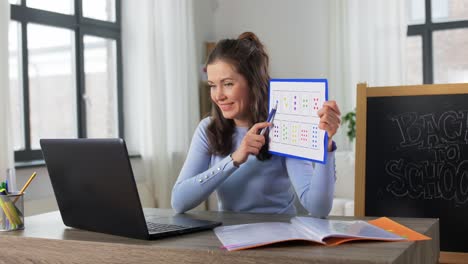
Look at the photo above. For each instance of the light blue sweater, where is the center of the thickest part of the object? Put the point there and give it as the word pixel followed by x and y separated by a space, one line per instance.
pixel 256 186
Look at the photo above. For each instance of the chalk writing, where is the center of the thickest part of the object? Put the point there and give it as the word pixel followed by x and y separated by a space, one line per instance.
pixel 443 173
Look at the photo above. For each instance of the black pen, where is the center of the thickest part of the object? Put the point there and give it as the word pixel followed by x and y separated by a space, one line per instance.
pixel 270 118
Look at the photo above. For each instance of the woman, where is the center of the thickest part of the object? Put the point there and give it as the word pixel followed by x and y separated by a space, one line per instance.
pixel 227 154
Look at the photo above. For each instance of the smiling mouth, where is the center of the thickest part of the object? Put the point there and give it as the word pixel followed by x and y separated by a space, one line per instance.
pixel 225 107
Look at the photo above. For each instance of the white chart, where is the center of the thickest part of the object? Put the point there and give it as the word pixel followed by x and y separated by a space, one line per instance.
pixel 295 129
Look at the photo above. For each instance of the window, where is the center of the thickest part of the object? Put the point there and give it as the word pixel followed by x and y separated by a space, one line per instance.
pixel 437 41
pixel 65 71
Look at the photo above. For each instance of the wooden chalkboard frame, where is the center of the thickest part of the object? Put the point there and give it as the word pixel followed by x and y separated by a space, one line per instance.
pixel 363 93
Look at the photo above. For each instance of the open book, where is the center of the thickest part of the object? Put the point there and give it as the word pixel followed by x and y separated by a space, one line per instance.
pixel 323 231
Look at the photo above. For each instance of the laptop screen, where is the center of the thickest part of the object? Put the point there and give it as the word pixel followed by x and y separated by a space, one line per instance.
pixel 94 185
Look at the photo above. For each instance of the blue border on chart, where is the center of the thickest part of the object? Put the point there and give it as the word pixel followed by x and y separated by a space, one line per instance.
pixel 325 149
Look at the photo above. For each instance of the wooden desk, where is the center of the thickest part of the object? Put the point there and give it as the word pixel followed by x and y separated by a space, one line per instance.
pixel 47 240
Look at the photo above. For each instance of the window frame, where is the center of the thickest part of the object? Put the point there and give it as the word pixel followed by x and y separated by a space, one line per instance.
pixel 80 26
pixel 425 32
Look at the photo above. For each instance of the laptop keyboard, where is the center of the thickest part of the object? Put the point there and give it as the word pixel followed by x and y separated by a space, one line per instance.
pixel 160 228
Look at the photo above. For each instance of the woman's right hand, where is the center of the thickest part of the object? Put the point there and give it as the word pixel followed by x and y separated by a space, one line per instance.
pixel 251 144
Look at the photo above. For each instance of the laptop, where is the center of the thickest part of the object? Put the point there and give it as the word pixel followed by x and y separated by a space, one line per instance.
pixel 95 190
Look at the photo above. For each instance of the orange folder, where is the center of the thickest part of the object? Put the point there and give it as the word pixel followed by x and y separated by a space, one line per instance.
pixel 386 224
pixel 401 230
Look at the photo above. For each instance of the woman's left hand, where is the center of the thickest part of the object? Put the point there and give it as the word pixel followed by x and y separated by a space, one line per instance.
pixel 330 119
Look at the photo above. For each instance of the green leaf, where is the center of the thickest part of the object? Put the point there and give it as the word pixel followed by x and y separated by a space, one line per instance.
pixel 350 118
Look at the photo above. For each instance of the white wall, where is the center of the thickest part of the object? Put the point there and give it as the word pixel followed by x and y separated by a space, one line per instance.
pixel 295 32
pixel 203 26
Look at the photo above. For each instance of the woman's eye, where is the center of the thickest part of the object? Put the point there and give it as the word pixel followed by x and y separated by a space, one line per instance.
pixel 212 86
pixel 228 84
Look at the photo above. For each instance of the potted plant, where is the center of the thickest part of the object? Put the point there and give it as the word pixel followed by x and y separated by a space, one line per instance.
pixel 350 119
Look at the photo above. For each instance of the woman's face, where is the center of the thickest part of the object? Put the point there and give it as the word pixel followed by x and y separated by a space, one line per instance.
pixel 229 91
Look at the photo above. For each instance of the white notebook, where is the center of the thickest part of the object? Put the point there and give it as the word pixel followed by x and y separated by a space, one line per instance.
pixel 322 231
pixel 295 131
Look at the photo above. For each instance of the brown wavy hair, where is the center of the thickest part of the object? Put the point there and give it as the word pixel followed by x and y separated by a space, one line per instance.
pixel 248 57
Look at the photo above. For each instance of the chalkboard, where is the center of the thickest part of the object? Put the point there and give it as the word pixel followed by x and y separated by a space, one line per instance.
pixel 414 157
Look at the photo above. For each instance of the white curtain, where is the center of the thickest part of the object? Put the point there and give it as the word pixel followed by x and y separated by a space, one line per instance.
pixel 6 141
pixel 367 44
pixel 161 80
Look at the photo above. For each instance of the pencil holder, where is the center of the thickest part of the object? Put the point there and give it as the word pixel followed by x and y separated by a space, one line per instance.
pixel 11 212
